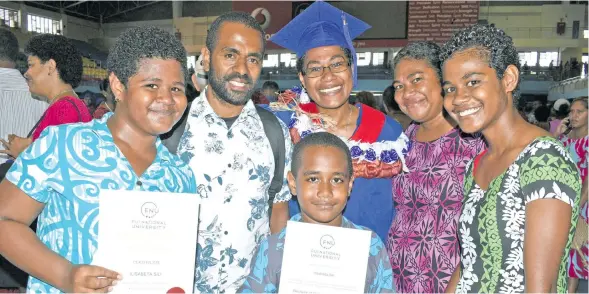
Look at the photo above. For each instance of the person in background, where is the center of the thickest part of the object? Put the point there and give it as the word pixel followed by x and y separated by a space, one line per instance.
pixel 55 69
pixel 18 110
pixel 392 108
pixel 270 90
pixel 429 197
pixel 199 78
pixel 106 105
pixel 259 98
pixel 573 133
pixel 560 110
pixel 321 172
pixel 524 186
pixel 18 114
pixel 366 98
pixel 542 114
pixel 121 151
pixel 322 38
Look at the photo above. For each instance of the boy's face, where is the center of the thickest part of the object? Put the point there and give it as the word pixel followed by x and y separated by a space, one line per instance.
pixel 322 184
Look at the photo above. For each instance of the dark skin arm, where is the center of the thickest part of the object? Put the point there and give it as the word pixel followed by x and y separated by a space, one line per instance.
pixel 546 230
pixel 451 288
pixel 279 217
pixel 20 246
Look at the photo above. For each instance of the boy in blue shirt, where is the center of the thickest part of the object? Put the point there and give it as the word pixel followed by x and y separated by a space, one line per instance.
pixel 321 176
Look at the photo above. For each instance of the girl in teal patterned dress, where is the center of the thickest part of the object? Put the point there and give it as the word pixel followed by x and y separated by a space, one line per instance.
pixel 59 177
pixel 525 186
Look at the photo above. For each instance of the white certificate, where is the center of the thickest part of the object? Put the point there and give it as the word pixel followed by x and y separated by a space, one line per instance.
pixel 324 259
pixel 149 238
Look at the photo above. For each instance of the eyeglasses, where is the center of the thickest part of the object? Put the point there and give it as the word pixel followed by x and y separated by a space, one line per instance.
pixel 317 71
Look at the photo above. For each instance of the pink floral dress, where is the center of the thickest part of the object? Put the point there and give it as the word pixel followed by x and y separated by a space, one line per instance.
pixel 422 241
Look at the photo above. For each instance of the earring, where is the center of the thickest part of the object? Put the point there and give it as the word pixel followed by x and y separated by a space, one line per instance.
pixel 117 99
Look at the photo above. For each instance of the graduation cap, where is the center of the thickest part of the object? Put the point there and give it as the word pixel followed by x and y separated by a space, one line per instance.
pixel 320 25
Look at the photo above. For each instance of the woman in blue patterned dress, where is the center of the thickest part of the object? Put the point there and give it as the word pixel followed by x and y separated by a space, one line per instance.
pixel 59 177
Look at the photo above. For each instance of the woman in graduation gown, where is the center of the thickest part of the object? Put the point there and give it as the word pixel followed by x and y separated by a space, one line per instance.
pixel 322 37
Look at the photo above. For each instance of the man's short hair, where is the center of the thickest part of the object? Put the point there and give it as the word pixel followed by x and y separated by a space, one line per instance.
pixel 8 46
pixel 234 17
pixel 323 139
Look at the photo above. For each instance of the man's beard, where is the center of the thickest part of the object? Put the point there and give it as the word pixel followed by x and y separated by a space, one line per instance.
pixel 218 84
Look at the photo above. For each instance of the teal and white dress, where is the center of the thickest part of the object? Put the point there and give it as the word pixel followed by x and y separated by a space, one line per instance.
pixel 67 167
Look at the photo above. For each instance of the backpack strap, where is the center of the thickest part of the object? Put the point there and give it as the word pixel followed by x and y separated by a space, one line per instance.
pixel 275 135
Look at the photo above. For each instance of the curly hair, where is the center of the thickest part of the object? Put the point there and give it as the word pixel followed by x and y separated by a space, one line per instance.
pixel 139 43
pixel 234 17
pixel 423 50
pixel 497 45
pixel 68 59
pixel 9 48
pixel 301 60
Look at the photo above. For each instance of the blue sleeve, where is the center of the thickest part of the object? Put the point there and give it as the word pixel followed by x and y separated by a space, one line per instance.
pixel 379 274
pixel 284 115
pixel 391 130
pixel 38 166
pixel 261 278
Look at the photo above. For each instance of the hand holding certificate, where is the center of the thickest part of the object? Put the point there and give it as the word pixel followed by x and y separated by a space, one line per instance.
pixel 324 259
pixel 149 238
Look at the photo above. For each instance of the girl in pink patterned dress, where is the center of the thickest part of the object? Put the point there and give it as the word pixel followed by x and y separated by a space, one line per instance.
pixel 577 142
pixel 422 241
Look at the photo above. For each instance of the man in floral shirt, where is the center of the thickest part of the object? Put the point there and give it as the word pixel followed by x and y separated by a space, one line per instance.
pixel 225 144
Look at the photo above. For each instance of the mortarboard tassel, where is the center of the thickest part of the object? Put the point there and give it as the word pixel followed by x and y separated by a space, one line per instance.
pixel 351 47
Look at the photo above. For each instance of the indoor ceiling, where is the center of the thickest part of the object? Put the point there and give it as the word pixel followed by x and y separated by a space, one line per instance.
pixel 92 10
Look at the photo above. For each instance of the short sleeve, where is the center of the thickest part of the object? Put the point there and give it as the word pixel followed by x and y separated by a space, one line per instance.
pixel 379 274
pixel 260 278
pixel 547 171
pixel 284 194
pixel 37 166
pixel 186 177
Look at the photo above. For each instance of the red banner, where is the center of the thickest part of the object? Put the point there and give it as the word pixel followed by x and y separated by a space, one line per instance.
pixel 274 15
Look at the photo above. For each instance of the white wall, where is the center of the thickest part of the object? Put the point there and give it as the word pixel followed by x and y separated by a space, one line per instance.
pixel 81 29
pixel 74 27
pixel 534 27
pixel 113 30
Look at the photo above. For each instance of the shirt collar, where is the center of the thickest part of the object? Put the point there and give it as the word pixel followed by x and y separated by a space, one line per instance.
pixel 345 222
pixel 99 126
pixel 203 109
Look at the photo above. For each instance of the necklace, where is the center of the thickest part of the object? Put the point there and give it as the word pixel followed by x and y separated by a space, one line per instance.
pixel 61 93
pixel 349 118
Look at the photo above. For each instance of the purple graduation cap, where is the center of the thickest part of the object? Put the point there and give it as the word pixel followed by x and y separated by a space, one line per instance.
pixel 321 24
